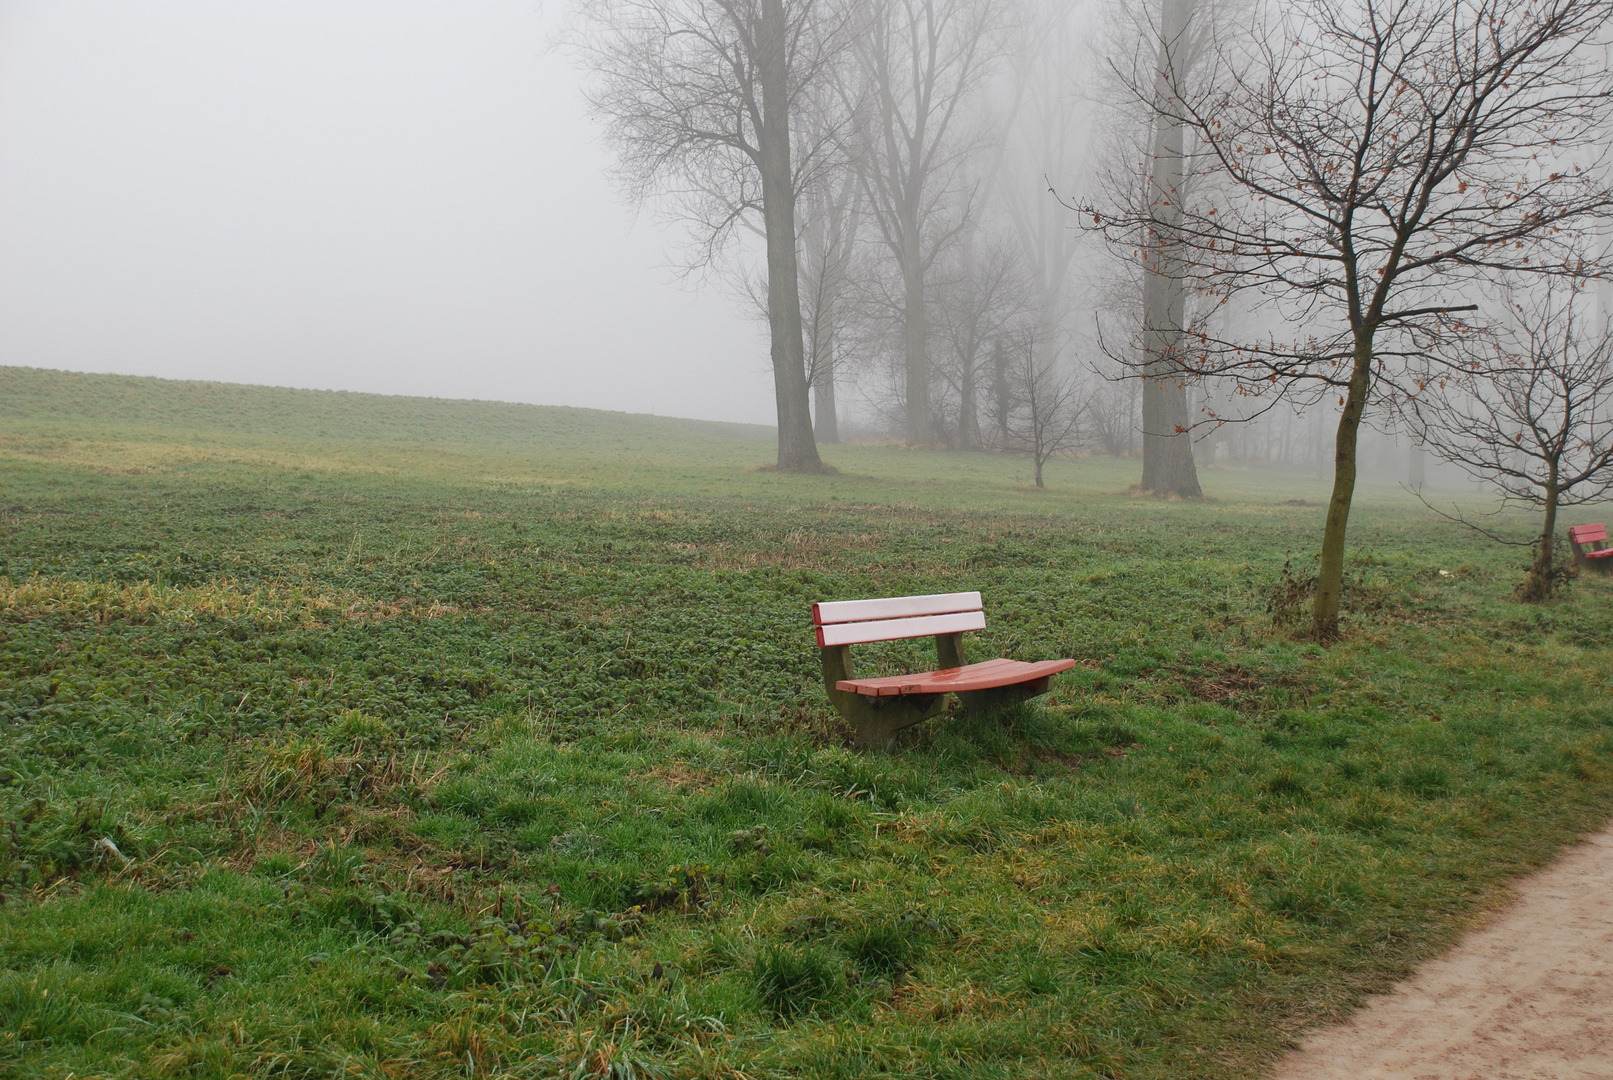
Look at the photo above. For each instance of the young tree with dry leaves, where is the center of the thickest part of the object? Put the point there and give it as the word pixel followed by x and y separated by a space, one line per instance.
pixel 1532 414
pixel 1360 167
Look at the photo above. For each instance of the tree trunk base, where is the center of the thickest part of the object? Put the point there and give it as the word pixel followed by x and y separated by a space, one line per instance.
pixel 1534 589
pixel 1138 491
pixel 816 468
pixel 1326 632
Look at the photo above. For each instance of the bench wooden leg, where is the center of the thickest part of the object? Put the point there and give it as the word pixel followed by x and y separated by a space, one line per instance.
pixel 874 720
pixel 985 702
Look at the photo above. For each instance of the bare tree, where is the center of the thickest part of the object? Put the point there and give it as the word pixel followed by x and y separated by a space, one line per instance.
pixel 831 213
pixel 1535 419
pixel 982 292
pixel 699 96
pixel 1002 393
pixel 1112 416
pixel 1047 417
pixel 1046 139
pixel 921 62
pixel 1372 162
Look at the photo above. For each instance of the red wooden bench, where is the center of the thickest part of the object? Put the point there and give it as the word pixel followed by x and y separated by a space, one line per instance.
pixel 1590 545
pixel 879 708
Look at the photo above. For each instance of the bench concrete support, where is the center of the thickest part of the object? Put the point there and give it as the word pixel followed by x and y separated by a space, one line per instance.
pixel 998 698
pixel 874 720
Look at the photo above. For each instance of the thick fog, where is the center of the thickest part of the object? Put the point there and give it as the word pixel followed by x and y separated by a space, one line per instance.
pixel 352 194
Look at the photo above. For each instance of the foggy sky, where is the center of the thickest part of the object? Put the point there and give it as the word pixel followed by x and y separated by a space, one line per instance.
pixel 396 196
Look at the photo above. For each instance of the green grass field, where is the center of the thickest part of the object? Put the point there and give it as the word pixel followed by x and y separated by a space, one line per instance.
pixel 358 736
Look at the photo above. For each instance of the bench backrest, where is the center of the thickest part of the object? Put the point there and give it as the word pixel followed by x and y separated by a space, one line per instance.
pixel 1587 534
pixel 857 622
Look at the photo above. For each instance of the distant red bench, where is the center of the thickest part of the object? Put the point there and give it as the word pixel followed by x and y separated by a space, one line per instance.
pixel 879 708
pixel 1590 545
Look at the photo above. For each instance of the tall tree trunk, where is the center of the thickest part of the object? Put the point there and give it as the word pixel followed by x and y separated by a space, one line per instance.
pixel 1330 576
pixel 825 423
pixel 1416 468
pixel 1049 316
pixel 1131 420
pixel 915 338
pixel 999 391
pixel 1168 467
pixel 969 404
pixel 797 450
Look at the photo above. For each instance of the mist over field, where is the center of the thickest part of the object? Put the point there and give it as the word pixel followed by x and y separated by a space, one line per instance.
pixel 399 198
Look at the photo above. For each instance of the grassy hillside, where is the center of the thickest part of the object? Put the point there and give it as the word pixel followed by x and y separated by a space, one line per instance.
pixel 327 748
pixel 231 416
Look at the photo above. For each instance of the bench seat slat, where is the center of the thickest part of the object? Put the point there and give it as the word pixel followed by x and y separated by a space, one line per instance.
pixel 983 676
pixel 893 607
pixel 861 633
pixel 1605 553
pixel 1587 534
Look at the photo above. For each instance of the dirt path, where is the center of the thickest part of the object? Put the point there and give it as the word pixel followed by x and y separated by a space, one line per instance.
pixel 1527 996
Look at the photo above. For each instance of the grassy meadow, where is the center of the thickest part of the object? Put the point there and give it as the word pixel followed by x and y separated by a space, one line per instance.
pixel 345 735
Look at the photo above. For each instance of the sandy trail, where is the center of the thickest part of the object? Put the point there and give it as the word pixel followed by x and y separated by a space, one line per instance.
pixel 1526 996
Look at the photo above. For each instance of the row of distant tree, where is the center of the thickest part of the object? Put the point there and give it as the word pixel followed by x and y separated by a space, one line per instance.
pixel 891 159
pixel 1391 208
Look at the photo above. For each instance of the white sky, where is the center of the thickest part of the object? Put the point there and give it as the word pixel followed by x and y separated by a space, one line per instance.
pixel 398 196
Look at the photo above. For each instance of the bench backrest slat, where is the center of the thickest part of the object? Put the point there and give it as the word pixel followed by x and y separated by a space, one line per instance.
pixel 861 633
pixel 1587 534
pixel 893 607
